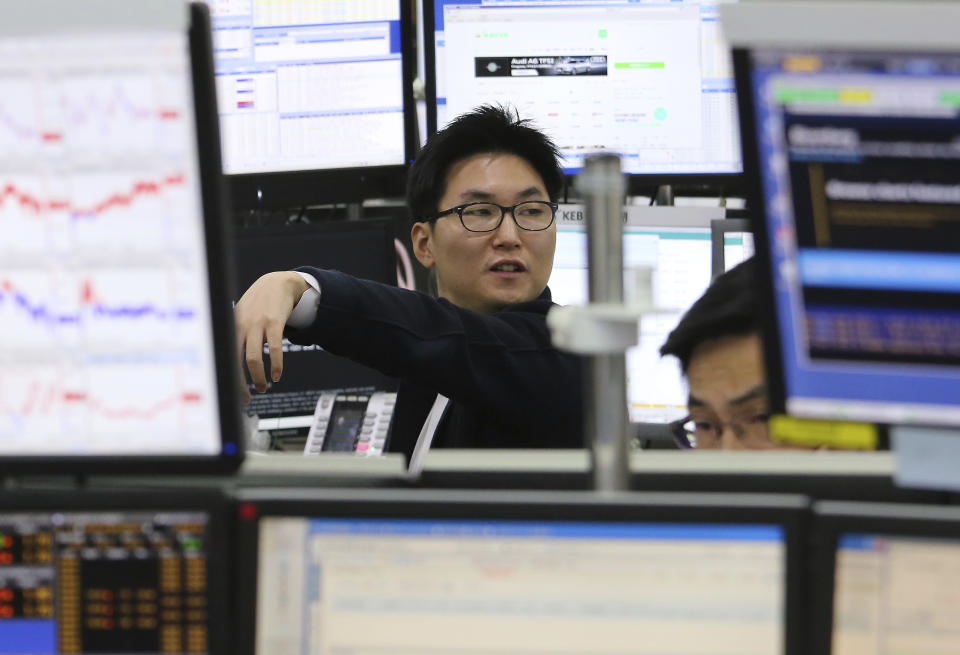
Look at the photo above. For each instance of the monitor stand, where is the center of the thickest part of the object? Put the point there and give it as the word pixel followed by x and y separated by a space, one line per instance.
pixel 664 197
pixel 354 211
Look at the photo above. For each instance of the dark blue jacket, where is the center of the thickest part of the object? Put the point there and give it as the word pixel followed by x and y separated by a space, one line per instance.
pixel 508 386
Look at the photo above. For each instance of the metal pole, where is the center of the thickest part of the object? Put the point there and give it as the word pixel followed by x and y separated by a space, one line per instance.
pixel 602 184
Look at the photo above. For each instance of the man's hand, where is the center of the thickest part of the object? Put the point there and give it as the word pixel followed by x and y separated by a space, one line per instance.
pixel 260 317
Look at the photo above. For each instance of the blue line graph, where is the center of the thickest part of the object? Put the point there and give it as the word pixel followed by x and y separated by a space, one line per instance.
pixel 181 314
pixel 97 107
pixel 21 131
pixel 42 314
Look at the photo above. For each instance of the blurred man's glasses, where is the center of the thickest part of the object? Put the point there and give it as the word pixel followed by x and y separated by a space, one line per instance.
pixel 532 215
pixel 751 431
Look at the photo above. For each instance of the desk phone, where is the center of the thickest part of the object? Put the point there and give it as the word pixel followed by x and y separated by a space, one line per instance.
pixel 351 422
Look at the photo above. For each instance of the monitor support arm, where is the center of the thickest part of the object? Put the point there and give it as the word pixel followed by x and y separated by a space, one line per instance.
pixel 605 328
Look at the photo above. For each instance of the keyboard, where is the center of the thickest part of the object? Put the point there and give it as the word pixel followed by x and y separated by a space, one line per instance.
pixel 287 403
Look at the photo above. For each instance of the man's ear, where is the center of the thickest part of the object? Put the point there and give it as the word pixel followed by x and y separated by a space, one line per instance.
pixel 421 237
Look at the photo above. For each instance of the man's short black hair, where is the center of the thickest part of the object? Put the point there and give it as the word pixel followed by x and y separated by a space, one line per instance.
pixel 729 307
pixel 487 129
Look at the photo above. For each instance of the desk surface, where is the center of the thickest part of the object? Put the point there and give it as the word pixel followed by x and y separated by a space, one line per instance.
pixel 820 475
pixel 665 461
pixel 388 464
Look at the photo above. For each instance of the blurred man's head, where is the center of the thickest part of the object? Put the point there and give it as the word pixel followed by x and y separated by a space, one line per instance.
pixel 484 258
pixel 721 353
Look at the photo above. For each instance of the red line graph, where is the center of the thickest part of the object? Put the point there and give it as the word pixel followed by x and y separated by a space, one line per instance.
pixel 115 200
pixel 41 399
pixel 150 411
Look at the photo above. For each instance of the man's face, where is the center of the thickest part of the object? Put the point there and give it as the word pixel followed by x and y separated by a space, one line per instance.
pixel 486 271
pixel 728 393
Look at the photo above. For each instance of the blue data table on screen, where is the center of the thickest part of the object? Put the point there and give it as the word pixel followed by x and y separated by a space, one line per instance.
pixel 797 269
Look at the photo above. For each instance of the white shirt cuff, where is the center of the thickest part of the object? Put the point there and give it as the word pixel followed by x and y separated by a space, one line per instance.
pixel 305 312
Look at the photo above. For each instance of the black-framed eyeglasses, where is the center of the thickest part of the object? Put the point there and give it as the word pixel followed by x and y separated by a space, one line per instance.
pixel 683 433
pixel 530 215
pixel 751 430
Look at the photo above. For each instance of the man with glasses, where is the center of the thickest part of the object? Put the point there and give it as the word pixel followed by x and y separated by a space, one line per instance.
pixel 720 350
pixel 477 365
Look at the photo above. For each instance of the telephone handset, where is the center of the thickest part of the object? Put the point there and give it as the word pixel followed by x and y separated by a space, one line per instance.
pixel 351 422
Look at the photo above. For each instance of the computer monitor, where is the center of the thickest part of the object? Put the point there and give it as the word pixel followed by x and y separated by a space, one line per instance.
pixel 455 571
pixel 363 248
pixel 132 572
pixel 887 578
pixel 116 332
pixel 678 250
pixel 316 99
pixel 651 81
pixel 731 242
pixel 852 142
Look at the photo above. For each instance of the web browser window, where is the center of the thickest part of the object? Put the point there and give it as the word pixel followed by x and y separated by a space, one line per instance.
pixel 651 81
pixel 373 586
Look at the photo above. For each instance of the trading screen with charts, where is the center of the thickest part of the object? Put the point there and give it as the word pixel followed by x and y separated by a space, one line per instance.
pixel 308 85
pixel 457 586
pixel 104 582
pixel 859 166
pixel 103 269
pixel 649 80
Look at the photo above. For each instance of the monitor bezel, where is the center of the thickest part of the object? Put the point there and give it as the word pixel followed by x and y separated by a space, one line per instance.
pixel 790 512
pixel 719 228
pixel 776 385
pixel 220 562
pixel 383 227
pixel 756 199
pixel 323 186
pixel 722 185
pixel 831 519
pixel 219 254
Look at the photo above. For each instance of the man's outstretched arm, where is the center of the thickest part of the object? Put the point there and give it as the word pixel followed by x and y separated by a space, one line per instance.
pixel 260 317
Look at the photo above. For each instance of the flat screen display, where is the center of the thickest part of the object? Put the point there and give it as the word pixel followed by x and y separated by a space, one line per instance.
pixel 680 257
pixel 474 586
pixel 305 85
pixel 106 317
pixel 860 174
pixel 105 582
pixel 364 249
pixel 895 594
pixel 650 80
